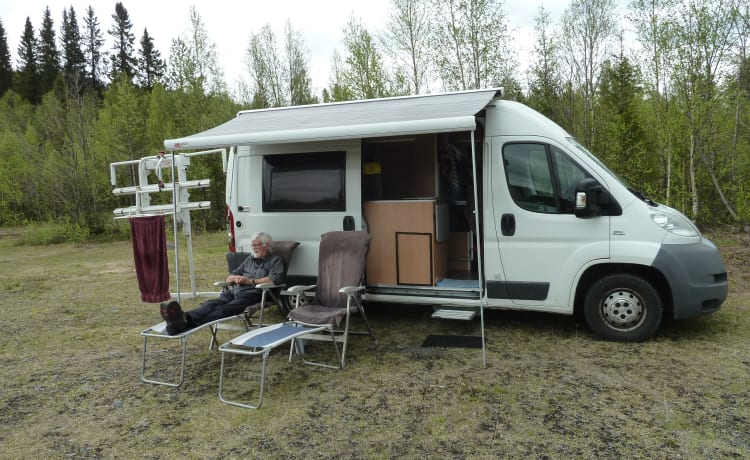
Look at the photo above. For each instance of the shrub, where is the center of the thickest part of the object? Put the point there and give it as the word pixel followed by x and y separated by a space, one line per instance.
pixel 46 233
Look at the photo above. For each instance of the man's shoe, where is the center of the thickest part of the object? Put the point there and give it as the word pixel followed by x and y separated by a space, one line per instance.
pixel 174 316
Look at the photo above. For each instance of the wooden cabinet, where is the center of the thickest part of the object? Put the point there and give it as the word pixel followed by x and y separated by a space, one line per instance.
pixel 404 249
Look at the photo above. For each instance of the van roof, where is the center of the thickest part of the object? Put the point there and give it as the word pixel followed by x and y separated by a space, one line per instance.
pixel 345 120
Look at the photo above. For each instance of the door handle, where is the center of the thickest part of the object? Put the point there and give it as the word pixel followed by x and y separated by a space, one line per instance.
pixel 508 224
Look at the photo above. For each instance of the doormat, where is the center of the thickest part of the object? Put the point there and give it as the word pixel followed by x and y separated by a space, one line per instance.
pixel 454 283
pixel 453 341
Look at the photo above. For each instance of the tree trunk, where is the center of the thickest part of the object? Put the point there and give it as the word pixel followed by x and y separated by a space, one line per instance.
pixel 693 182
pixel 717 186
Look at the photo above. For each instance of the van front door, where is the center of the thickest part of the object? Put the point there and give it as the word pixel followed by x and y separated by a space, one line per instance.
pixel 541 245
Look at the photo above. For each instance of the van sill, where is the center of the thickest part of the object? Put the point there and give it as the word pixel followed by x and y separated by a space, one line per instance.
pixel 424 291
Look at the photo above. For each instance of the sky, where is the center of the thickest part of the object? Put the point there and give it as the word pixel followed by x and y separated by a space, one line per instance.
pixel 230 24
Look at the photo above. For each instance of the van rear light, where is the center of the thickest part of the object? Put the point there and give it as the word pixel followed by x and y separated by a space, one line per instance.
pixel 230 230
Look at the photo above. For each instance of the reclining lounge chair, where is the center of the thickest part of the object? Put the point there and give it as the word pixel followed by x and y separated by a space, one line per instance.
pixel 283 249
pixel 341 266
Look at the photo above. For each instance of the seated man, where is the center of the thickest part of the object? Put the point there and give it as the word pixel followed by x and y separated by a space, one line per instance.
pixel 260 267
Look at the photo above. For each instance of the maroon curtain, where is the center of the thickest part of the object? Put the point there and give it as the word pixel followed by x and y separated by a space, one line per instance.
pixel 150 255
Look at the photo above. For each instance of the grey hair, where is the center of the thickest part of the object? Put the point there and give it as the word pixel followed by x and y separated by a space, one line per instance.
pixel 264 238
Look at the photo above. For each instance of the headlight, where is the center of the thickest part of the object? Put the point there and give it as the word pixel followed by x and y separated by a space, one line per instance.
pixel 673 221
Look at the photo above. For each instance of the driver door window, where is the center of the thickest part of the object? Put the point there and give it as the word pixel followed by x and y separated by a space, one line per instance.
pixel 541 178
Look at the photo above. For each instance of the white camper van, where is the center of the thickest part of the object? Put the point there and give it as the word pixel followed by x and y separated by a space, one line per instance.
pixel 472 201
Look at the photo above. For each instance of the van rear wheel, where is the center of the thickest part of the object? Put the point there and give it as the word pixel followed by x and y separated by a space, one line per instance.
pixel 623 307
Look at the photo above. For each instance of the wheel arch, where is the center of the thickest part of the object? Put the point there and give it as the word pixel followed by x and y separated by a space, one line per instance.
pixel 596 272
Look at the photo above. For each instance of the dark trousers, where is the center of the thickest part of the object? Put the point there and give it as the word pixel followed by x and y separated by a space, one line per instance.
pixel 226 305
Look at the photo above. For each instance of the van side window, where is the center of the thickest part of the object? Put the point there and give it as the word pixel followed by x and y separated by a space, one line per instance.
pixel 541 178
pixel 304 182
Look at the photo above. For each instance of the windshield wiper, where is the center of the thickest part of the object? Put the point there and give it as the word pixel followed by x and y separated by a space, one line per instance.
pixel 642 197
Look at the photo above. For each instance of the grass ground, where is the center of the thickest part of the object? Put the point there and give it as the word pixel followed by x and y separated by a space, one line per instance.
pixel 70 353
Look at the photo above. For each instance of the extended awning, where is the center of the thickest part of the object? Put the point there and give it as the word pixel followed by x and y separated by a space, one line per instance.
pixel 346 120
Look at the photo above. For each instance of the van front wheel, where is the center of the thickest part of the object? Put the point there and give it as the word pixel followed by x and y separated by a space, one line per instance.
pixel 623 307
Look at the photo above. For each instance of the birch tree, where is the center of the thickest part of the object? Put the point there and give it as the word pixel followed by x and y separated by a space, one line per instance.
pixel 705 41
pixel 407 41
pixel 544 74
pixel 653 21
pixel 193 63
pixel 298 68
pixel 360 73
pixel 471 44
pixel 587 28
pixel 73 175
pixel 266 70
pixel 279 76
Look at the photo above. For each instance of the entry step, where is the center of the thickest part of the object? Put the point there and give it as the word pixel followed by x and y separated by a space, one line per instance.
pixel 465 314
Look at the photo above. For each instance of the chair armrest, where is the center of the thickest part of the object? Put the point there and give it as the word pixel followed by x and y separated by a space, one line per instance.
pixel 300 288
pixel 351 289
pixel 269 285
pixel 259 286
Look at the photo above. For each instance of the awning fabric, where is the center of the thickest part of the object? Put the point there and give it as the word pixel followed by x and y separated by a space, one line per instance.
pixel 346 120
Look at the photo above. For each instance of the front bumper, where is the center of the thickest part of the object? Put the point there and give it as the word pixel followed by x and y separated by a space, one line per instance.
pixel 696 275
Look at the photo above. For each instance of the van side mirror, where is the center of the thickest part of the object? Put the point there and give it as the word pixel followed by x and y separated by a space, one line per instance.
pixel 593 200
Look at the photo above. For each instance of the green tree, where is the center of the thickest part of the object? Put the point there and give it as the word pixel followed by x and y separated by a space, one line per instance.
pixel 6 68
pixel 471 44
pixel 120 130
pixel 408 42
pixel 122 60
pixel 193 64
pixel 17 173
pixel 297 67
pixel 72 174
pixel 27 83
pixel 544 81
pixel 739 93
pixel 587 29
pixel 653 21
pixel 279 77
pixel 619 137
pixel 93 42
pixel 705 38
pixel 160 122
pixel 48 56
pixel 361 74
pixel 338 90
pixel 74 62
pixel 151 67
pixel 266 71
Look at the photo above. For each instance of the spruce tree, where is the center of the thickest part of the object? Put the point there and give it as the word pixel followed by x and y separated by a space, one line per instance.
pixel 122 59
pixel 151 66
pixel 93 41
pixel 6 69
pixel 48 54
pixel 73 59
pixel 27 79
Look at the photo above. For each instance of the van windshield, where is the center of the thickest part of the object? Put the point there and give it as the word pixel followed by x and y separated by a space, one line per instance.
pixel 593 157
pixel 596 160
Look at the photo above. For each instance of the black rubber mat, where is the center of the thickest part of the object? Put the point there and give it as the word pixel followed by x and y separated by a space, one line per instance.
pixel 453 341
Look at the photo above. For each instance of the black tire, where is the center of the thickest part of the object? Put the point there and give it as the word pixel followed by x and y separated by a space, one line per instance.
pixel 623 307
